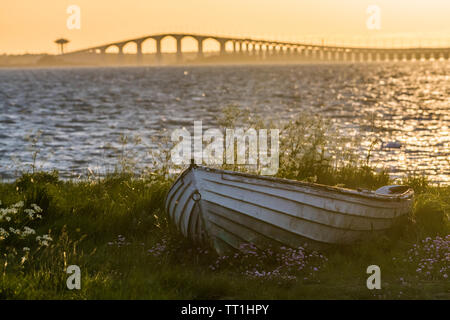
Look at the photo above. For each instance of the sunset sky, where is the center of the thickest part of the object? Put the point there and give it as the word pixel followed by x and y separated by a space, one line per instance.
pixel 31 26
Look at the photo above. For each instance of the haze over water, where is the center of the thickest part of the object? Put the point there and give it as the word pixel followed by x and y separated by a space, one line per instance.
pixel 82 112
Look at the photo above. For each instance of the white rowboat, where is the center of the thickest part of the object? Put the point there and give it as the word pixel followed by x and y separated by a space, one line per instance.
pixel 229 208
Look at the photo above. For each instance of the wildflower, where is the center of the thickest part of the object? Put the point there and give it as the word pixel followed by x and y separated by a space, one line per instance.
pixel 3 234
pixel 36 208
pixel 431 256
pixel 289 261
pixel 47 237
pixel 19 204
pixel 28 231
pixel 44 240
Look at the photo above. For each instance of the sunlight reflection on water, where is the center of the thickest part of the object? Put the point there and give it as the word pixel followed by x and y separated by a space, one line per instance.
pixel 82 112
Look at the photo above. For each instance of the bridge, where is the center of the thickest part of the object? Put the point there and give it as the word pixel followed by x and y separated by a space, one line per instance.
pixel 265 49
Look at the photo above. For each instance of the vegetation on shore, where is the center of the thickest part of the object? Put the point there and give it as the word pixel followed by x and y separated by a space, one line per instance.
pixel 116 230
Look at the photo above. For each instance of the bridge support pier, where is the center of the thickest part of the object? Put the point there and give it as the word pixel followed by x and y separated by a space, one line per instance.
pixel 139 57
pixel 279 51
pixel 158 50
pixel 247 48
pixel 121 55
pixel 103 55
pixel 347 56
pixel 261 51
pixel 223 50
pixel 200 48
pixel 333 55
pixel 316 54
pixel 179 51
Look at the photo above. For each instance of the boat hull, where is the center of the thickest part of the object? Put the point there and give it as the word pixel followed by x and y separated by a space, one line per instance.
pixel 228 208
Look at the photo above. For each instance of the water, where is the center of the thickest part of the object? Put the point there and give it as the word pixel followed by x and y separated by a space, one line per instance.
pixel 82 112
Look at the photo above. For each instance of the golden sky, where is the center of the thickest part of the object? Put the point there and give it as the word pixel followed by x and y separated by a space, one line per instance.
pixel 32 25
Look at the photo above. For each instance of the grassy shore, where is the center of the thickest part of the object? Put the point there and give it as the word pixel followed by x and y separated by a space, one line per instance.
pixel 115 229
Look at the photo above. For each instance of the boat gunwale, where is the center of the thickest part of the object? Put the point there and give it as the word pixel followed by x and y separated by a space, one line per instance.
pixel 310 194
pixel 180 177
pixel 408 194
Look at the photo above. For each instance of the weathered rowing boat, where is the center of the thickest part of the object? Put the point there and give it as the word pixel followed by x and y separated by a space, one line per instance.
pixel 230 208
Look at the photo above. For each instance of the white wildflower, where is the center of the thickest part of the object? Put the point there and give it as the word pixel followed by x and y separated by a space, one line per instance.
pixel 3 234
pixel 19 204
pixel 28 231
pixel 36 208
pixel 29 212
pixel 14 231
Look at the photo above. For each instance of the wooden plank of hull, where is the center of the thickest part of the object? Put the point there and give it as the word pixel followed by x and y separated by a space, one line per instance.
pixel 170 199
pixel 183 210
pixel 323 201
pixel 235 228
pixel 302 228
pixel 196 229
pixel 257 204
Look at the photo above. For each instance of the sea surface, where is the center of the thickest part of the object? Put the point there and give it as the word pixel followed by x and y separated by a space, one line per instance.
pixel 75 117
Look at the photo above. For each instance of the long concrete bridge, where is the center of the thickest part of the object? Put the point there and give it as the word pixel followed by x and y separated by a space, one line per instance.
pixel 268 48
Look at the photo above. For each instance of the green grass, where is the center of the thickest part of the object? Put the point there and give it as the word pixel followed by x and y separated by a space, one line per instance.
pixel 86 216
